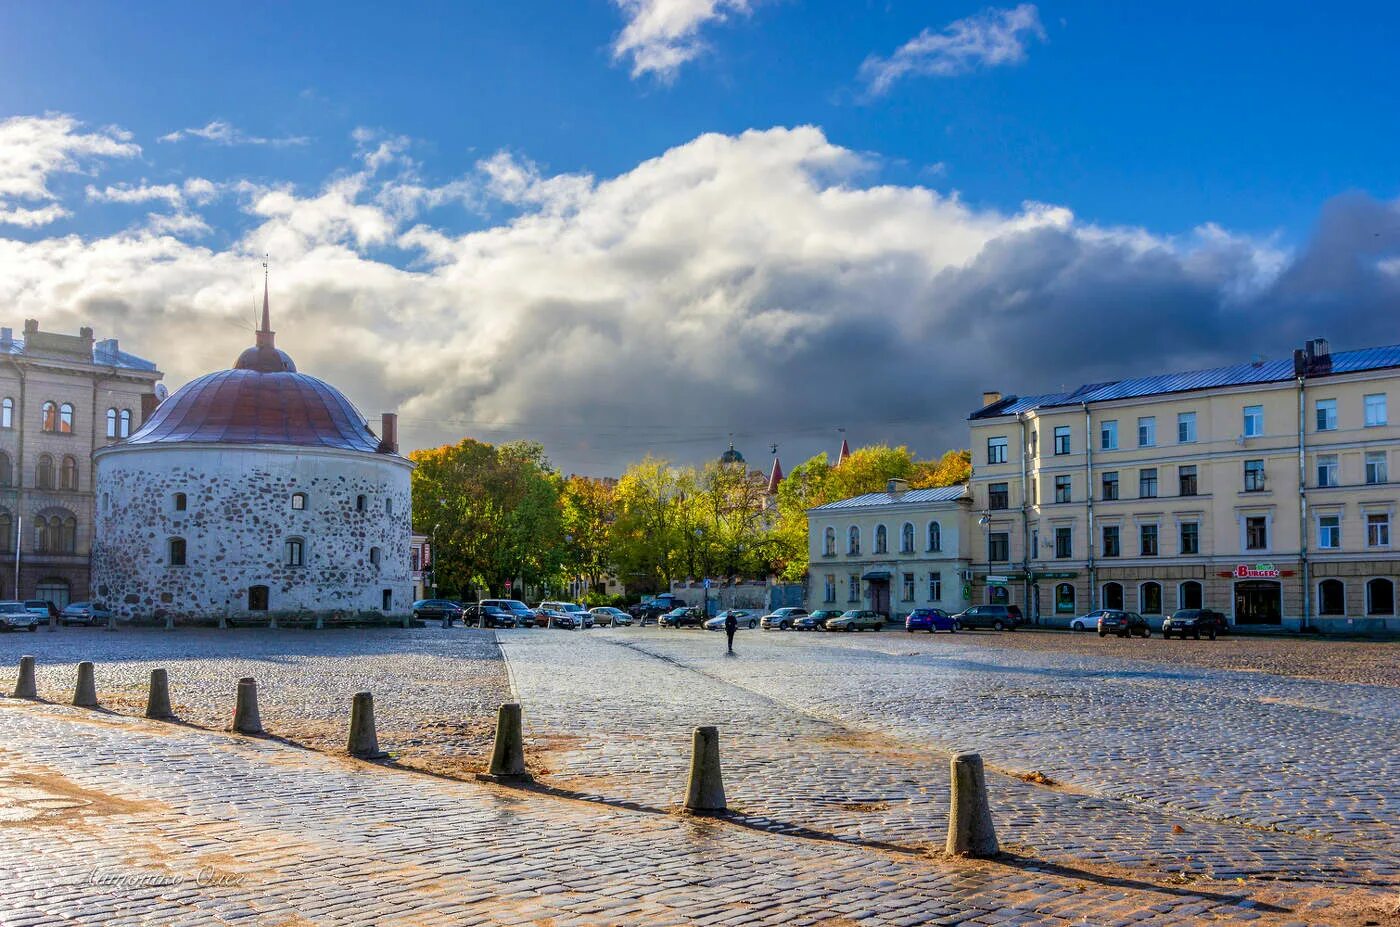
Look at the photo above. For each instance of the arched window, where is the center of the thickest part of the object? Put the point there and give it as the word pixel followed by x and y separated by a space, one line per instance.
pixel 7 472
pixel 359 503
pixel 1150 598
pixel 906 538
pixel 177 552
pixel 7 412
pixel 374 557
pixel 298 501
pixel 935 537
pixel 1113 595
pixel 111 423
pixel 853 540
pixel 44 478
pixel 829 542
pixel 181 501
pixel 124 423
pixel 1331 597
pixel 68 477
pixel 48 416
pixel 1064 599
pixel 1190 595
pixel 65 418
pixel 67 534
pixel 1380 597
pixel 881 540
pixel 294 554
pixel 7 533
pixel 41 535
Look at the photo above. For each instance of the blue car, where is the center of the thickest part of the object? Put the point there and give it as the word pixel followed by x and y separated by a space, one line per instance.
pixel 930 620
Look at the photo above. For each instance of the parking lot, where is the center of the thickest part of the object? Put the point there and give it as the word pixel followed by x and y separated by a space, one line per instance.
pixel 1132 781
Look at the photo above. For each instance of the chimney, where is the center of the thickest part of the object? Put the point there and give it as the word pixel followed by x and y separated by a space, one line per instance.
pixel 389 433
pixel 7 336
pixel 897 487
pixel 149 401
pixel 990 397
pixel 85 332
pixel 31 326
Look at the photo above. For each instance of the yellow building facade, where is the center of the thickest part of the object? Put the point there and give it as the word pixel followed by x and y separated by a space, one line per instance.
pixel 1266 491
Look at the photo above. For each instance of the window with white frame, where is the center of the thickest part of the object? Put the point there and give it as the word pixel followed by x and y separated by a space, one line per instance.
pixel 1326 469
pixel 935 537
pixel 1376 469
pixel 1147 431
pixel 935 587
pixel 996 450
pixel 1108 435
pixel 829 542
pixel 853 588
pixel 1375 410
pixel 1147 540
pixel 1253 421
pixel 830 589
pixel 1186 427
pixel 1110 541
pixel 1325 411
pixel 882 544
pixel 853 540
pixel 1190 537
pixel 1378 529
pixel 1256 532
pixel 906 538
pixel 907 588
pixel 1329 532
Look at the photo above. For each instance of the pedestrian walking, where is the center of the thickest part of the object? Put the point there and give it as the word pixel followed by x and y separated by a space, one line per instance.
pixel 731 624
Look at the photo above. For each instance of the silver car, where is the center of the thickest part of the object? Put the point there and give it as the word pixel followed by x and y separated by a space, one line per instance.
pixel 609 617
pixel 82 613
pixel 15 617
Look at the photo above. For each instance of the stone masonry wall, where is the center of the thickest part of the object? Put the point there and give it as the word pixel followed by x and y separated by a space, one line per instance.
pixel 236 522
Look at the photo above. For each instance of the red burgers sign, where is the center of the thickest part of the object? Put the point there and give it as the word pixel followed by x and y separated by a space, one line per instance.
pixel 1258 571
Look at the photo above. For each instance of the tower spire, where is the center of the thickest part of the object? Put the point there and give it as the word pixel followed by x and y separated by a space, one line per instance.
pixel 265 333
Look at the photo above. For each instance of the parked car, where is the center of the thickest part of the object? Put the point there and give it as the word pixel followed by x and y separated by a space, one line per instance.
pixel 561 619
pixel 646 612
pixel 746 619
pixel 996 617
pixel 521 612
pixel 83 613
pixel 1090 620
pixel 437 610
pixel 606 616
pixel 781 618
pixel 1124 624
pixel 14 616
pixel 42 607
pixel 930 620
pixel 857 619
pixel 488 616
pixel 1195 622
pixel 816 621
pixel 580 614
pixel 685 616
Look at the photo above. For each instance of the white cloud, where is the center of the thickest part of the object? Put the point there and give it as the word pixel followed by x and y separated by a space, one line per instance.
pixel 989 39
pixel 760 282
pixel 220 132
pixel 34 148
pixel 662 35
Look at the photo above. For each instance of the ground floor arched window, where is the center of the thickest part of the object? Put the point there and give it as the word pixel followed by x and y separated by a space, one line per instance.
pixel 1064 599
pixel 54 589
pixel 1380 597
pixel 1113 595
pixel 1331 597
pixel 998 595
pixel 1190 595
pixel 1150 597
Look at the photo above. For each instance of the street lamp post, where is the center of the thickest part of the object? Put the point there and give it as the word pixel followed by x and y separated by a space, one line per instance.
pixel 985 520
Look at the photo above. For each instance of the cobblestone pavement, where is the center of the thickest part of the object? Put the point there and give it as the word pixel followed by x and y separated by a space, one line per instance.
pixel 119 821
pixel 435 693
pixel 1185 794
pixel 1173 773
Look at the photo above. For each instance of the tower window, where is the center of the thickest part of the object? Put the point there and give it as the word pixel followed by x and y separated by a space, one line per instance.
pixel 180 502
pixel 298 501
pixel 177 551
pixel 360 502
pixel 294 553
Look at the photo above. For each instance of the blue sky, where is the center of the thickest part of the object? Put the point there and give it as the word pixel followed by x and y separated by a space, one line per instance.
pixel 1226 153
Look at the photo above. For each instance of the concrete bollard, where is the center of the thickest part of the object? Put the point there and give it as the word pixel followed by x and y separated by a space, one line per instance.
pixel 85 694
pixel 223 623
pixel 111 621
pixel 24 686
pixel 508 756
pixel 970 831
pixel 245 709
pixel 169 621
pixel 320 622
pixel 363 741
pixel 158 700
pixel 705 792
pixel 272 623
pixel 53 622
pixel 407 622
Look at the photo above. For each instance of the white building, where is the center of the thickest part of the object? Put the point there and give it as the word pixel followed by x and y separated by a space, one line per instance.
pixel 253 490
pixel 890 551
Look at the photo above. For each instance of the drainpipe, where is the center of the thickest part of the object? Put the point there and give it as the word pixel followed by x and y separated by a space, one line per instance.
pixel 1303 505
pixel 1025 518
pixel 1089 504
